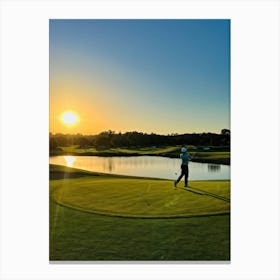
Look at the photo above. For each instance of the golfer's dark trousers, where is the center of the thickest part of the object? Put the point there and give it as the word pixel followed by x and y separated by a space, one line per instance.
pixel 184 172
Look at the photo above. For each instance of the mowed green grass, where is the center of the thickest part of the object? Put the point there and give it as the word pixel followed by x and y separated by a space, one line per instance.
pixel 124 151
pixel 141 197
pixel 141 219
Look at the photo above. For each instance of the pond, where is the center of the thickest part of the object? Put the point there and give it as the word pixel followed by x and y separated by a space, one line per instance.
pixel 144 166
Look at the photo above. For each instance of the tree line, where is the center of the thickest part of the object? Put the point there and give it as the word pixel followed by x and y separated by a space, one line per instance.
pixel 110 139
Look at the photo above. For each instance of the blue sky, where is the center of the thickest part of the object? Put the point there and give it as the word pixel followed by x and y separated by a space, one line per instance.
pixel 162 76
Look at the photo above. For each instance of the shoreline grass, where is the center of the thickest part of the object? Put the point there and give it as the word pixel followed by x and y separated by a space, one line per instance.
pixel 216 155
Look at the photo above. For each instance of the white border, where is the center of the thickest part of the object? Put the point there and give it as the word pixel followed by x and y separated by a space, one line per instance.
pixel 255 138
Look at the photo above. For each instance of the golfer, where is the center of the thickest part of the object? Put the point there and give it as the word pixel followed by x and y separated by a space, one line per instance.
pixel 184 167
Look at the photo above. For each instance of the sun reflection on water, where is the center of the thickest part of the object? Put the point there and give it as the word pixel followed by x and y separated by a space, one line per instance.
pixel 144 166
pixel 69 160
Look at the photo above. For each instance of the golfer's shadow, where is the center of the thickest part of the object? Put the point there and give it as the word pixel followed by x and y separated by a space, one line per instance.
pixel 189 190
pixel 202 192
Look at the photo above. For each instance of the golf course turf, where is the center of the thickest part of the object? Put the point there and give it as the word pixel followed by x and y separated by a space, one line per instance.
pixel 96 216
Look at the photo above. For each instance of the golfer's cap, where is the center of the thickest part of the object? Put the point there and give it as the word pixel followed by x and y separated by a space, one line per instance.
pixel 183 150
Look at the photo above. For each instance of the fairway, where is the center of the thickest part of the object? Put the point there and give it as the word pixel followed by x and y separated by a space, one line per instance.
pixel 143 198
pixel 96 216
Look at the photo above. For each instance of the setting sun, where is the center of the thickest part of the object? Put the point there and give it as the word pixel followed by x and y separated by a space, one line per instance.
pixel 69 118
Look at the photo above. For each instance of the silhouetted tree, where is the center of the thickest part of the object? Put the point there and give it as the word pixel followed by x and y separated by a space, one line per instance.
pixel 111 139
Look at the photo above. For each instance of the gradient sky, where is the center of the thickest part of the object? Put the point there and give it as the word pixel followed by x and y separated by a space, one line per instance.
pixel 161 76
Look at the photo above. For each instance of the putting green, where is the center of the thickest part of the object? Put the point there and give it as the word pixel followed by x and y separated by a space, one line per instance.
pixel 142 198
